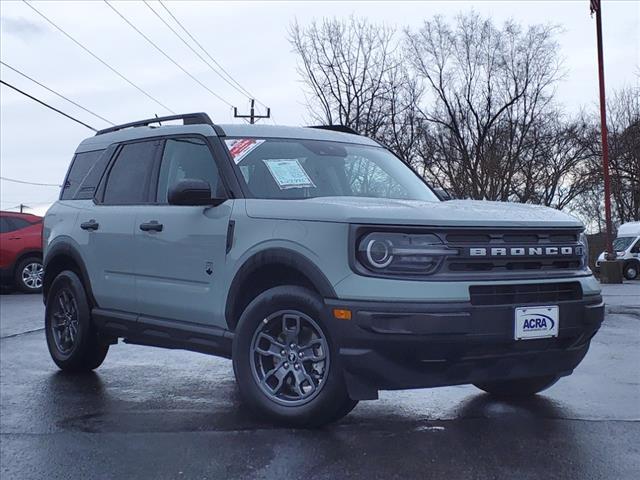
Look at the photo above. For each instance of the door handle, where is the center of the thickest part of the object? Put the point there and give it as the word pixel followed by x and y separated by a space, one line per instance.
pixel 90 225
pixel 152 226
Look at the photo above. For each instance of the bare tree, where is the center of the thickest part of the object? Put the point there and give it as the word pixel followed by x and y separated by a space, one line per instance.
pixel 469 105
pixel 623 122
pixel 558 169
pixel 346 66
pixel 355 76
pixel 624 134
pixel 489 87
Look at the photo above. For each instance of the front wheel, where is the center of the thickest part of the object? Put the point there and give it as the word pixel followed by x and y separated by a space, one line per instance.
pixel 74 343
pixel 521 387
pixel 285 363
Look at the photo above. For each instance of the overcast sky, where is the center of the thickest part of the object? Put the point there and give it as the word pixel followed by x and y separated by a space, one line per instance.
pixel 249 39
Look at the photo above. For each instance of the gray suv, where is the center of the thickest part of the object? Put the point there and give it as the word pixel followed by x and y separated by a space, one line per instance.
pixel 315 259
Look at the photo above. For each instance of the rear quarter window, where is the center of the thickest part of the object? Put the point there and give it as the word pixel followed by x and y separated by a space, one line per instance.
pixel 84 175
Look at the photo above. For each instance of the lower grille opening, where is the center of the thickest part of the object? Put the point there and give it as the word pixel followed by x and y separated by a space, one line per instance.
pixel 513 266
pixel 524 294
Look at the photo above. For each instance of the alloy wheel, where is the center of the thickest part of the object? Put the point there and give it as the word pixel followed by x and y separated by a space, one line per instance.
pixel 289 357
pixel 32 275
pixel 64 323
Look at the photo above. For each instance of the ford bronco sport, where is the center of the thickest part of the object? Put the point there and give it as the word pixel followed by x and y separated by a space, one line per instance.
pixel 315 259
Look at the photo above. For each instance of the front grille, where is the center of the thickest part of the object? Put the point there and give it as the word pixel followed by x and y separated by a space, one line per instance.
pixel 525 251
pixel 537 293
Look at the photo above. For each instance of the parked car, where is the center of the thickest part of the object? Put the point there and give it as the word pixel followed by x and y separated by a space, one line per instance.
pixel 315 259
pixel 627 248
pixel 21 251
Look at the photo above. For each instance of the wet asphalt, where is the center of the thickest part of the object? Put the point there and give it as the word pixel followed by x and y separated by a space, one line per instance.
pixel 153 413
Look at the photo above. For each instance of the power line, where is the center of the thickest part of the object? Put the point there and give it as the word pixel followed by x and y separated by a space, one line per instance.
pixel 47 105
pixel 56 93
pixel 242 91
pixel 98 58
pixel 232 83
pixel 165 54
pixel 24 182
pixel 246 92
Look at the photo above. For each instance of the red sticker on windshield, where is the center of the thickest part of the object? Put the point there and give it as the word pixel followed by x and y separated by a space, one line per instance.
pixel 240 147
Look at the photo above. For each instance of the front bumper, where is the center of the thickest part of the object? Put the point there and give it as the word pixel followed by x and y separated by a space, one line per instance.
pixel 391 346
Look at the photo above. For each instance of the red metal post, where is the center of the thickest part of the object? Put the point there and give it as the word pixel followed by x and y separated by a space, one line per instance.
pixel 596 6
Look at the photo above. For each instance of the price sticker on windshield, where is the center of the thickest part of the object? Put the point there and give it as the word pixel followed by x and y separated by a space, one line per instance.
pixel 288 173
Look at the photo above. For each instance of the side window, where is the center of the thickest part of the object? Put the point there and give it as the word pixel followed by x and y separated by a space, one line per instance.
pixel 18 223
pixel 128 181
pixel 187 158
pixel 5 226
pixel 636 247
pixel 82 167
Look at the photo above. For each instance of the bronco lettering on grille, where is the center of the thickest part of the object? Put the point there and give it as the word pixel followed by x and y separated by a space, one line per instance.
pixel 552 251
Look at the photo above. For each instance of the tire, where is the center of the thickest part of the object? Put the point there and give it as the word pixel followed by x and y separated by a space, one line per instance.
pixel 522 387
pixel 74 343
pixel 631 270
pixel 29 274
pixel 285 362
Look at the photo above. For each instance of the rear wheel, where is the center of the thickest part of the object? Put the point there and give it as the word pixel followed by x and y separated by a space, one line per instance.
pixel 74 343
pixel 522 387
pixel 285 362
pixel 631 270
pixel 29 274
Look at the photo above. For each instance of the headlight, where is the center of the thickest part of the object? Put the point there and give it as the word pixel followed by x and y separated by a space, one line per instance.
pixel 401 253
pixel 585 249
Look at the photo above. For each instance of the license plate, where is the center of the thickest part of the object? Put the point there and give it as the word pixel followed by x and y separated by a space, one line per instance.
pixel 536 322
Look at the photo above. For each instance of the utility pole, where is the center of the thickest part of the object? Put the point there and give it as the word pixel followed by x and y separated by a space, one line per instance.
pixel 252 115
pixel 609 272
pixel 22 205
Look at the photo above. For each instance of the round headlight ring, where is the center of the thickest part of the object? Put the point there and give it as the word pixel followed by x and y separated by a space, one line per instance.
pixel 379 253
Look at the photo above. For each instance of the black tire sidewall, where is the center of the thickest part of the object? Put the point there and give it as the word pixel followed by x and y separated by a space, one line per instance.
pixel 17 276
pixel 329 401
pixel 629 265
pixel 85 340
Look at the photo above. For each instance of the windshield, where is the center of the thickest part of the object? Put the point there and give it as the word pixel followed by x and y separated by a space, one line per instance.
pixel 282 168
pixel 620 244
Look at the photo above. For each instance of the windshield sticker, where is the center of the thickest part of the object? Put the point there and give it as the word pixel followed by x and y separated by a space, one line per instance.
pixel 288 173
pixel 241 147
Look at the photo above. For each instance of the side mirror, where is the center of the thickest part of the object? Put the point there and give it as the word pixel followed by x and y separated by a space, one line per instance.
pixel 191 191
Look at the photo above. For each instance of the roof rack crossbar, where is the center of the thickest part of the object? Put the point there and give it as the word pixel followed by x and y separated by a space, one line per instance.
pixel 335 128
pixel 187 119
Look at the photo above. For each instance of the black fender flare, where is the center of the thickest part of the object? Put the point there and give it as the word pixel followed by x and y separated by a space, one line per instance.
pixel 278 256
pixel 66 248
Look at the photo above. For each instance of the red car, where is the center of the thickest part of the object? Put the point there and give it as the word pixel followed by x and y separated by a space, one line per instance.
pixel 21 251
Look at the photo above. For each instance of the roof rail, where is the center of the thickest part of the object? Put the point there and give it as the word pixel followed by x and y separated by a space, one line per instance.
pixel 335 128
pixel 187 119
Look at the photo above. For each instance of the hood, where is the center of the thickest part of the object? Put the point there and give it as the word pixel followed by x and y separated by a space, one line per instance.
pixel 472 213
